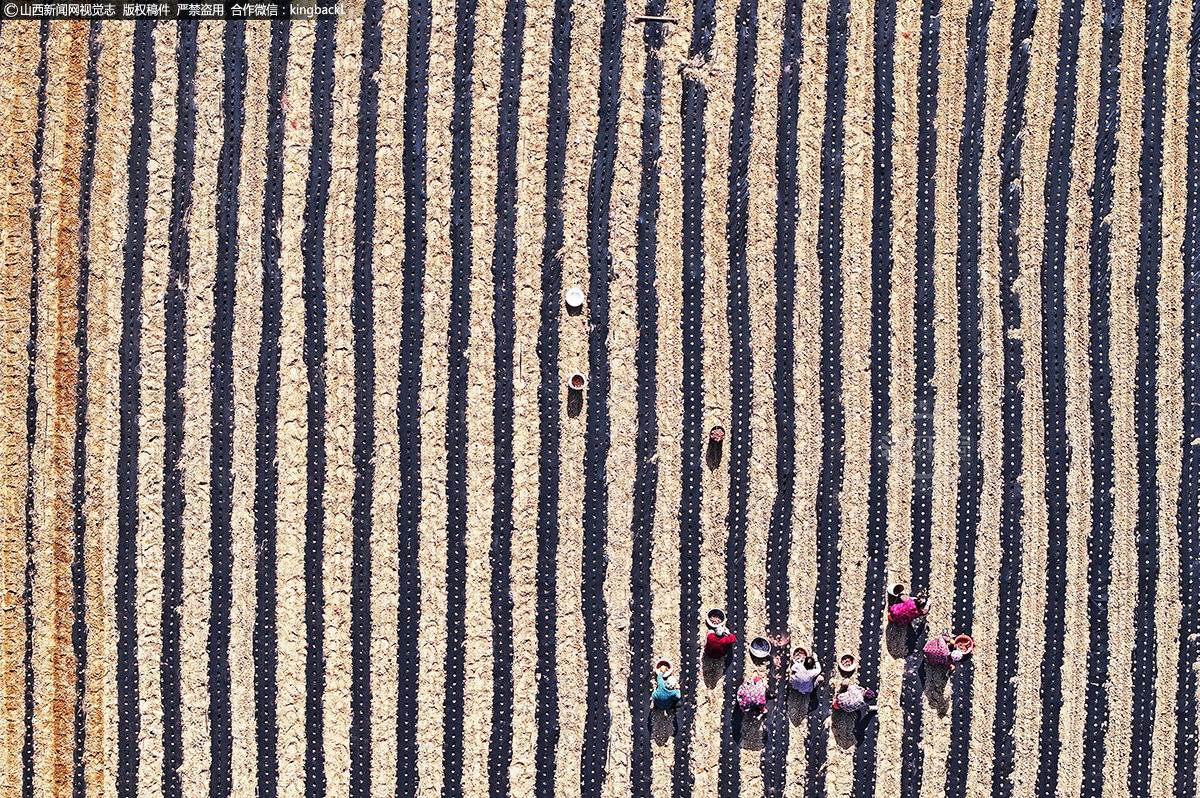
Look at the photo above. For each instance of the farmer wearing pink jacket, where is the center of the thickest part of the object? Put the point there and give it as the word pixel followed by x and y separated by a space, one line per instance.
pixel 752 696
pixel 905 612
pixel 943 651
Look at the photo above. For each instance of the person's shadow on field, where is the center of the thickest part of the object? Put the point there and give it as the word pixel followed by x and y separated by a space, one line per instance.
pixel 934 679
pixel 801 705
pixel 899 639
pixel 714 669
pixel 664 724
pixel 748 730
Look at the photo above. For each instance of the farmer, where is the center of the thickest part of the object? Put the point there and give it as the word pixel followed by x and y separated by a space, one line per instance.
pixel 667 693
pixel 719 642
pixel 805 674
pixel 752 696
pixel 905 612
pixel 851 697
pixel 941 651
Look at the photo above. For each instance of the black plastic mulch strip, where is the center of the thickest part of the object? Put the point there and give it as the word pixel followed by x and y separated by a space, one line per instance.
pixel 1012 454
pixel 229 169
pixel 557 120
pixel 970 479
pixel 267 394
pixel 773 761
pixel 312 247
pixel 924 353
pixel 504 255
pixel 457 386
pixel 1145 408
pixel 875 586
pixel 1054 389
pixel 693 103
pixel 362 320
pixel 408 405
pixel 741 360
pixel 645 486
pixel 779 537
pixel 1095 726
pixel 786 212
pixel 31 405
pixel 129 720
pixel 787 90
pixel 1145 668
pixel 1189 488
pixel 829 485
pixel 704 27
pixel 79 628
pixel 174 374
pixel 598 720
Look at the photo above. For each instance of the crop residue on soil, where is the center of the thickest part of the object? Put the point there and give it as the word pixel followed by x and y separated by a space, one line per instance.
pixel 314 481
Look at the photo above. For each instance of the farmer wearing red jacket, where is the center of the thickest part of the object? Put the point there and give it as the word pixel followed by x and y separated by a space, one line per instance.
pixel 719 642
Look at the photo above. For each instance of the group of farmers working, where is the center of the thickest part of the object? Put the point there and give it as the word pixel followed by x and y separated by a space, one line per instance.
pixel 805 673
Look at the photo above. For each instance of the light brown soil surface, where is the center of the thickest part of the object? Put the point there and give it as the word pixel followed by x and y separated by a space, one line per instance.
pixel 151 420
pixel 55 376
pixel 20 119
pixel 389 247
pixel 45 537
pixel 108 214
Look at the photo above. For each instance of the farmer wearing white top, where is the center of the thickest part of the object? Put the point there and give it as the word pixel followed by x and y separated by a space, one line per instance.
pixel 805 674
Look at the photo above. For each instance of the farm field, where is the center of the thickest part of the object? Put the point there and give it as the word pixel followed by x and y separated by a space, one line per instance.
pixel 301 496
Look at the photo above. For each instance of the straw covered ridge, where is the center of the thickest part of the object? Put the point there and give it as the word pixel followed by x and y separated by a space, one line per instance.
pixel 314 483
